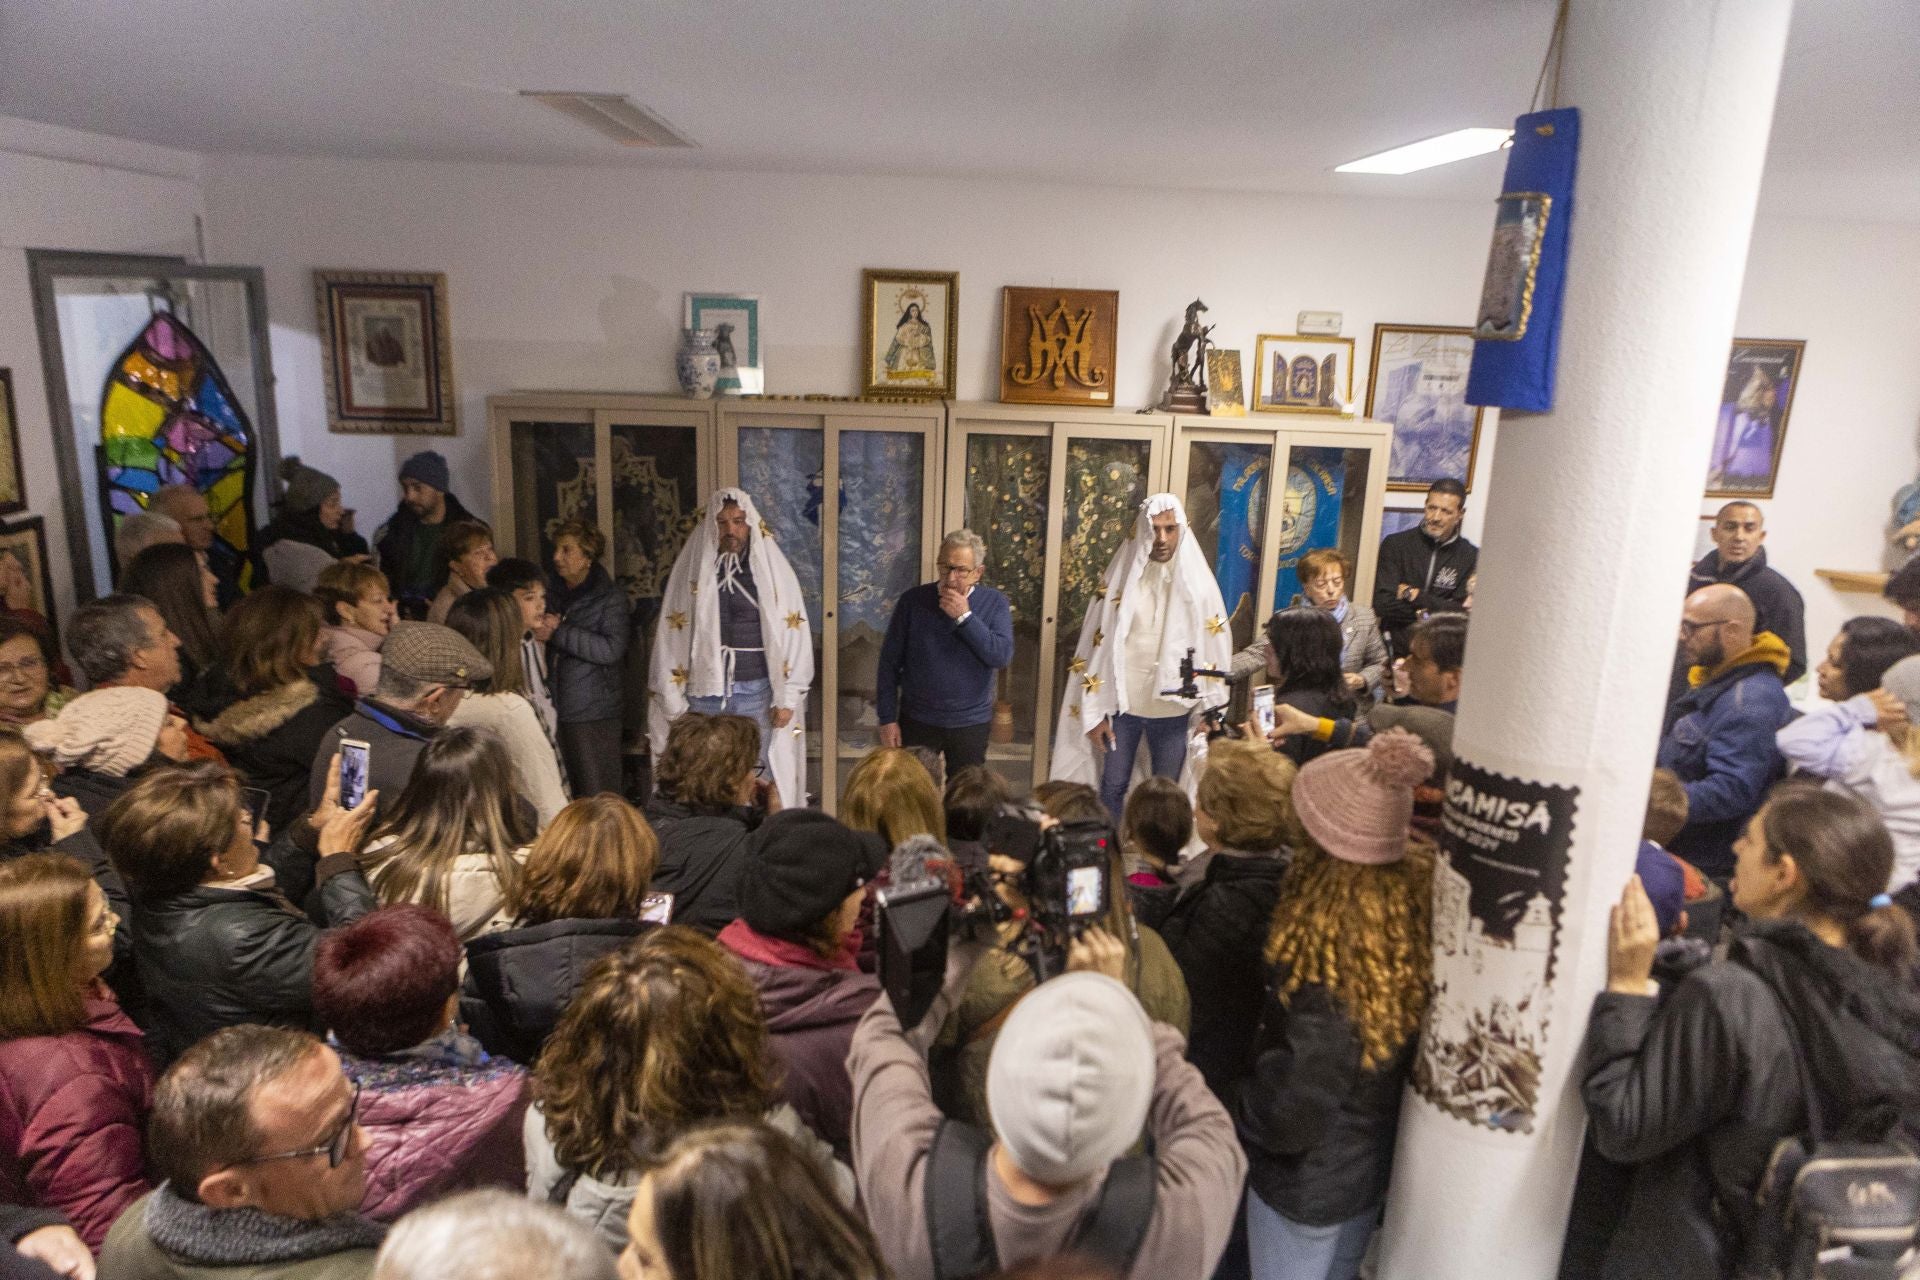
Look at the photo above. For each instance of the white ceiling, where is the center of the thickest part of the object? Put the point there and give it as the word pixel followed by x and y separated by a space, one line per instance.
pixel 1263 95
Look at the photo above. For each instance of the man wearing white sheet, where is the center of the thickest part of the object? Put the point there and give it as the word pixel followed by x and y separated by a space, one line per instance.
pixel 1157 600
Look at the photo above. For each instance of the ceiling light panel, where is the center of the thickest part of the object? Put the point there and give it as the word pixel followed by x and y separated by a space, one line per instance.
pixel 612 115
pixel 1461 144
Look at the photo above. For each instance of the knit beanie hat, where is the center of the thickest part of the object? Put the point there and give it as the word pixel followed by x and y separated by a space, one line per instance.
pixel 1070 1078
pixel 110 731
pixel 804 865
pixel 307 487
pixel 1356 804
pixel 429 468
pixel 1902 680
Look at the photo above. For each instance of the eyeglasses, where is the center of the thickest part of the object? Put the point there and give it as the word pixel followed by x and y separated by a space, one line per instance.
pixel 22 669
pixel 334 1148
pixel 949 569
pixel 1689 629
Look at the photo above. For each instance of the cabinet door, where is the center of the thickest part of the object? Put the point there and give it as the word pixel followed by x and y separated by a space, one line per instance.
pixel 1330 496
pixel 1223 480
pixel 551 456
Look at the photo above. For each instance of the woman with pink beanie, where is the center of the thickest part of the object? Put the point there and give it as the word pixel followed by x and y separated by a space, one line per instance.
pixel 1352 971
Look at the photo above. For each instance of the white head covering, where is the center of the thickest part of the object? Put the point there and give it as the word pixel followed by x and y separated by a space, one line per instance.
pixel 688 661
pixel 1196 619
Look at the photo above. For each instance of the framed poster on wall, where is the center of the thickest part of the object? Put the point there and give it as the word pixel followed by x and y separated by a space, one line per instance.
pixel 13 476
pixel 1755 400
pixel 389 365
pixel 1417 381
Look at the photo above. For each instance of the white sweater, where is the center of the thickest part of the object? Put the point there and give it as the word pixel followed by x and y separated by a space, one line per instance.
pixel 1838 742
pixel 534 764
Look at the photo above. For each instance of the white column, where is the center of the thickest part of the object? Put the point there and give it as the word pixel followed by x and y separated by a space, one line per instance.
pixel 1591 519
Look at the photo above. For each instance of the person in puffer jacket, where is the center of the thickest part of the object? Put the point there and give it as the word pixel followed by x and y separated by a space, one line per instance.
pixel 1697 1089
pixel 797 936
pixel 440 1115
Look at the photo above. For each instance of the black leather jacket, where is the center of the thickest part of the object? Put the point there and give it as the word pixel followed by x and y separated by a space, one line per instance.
pixel 519 981
pixel 1217 932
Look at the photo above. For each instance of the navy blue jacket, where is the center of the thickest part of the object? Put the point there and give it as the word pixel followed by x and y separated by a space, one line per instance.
pixel 936 672
pixel 585 652
pixel 1721 744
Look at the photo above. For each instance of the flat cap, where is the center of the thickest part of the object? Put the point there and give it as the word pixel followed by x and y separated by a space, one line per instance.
pixel 433 654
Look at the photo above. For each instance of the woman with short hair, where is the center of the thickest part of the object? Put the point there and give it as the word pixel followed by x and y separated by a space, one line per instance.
pixel 706 804
pixel 75 1083
pixel 583 891
pixel 29 689
pixel 665 1034
pixel 490 620
pixel 592 627
pixel 467 547
pixel 890 792
pixel 456 837
pixel 359 608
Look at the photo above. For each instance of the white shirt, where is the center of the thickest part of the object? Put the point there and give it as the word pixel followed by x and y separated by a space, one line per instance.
pixel 1152 593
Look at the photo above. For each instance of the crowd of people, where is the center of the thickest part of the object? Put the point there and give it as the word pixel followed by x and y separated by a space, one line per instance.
pixel 332 945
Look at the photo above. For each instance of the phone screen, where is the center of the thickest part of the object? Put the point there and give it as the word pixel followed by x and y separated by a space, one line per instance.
pixel 657 908
pixel 1263 708
pixel 256 801
pixel 1084 891
pixel 353 773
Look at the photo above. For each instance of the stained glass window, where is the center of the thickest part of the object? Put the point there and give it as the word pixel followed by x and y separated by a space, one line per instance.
pixel 168 416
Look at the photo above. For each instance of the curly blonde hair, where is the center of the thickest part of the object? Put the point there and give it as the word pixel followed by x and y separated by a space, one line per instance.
pixel 1365 933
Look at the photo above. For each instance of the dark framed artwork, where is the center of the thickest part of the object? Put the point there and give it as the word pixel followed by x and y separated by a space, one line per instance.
pixel 26 581
pixel 1755 401
pixel 1417 381
pixel 13 475
pixel 1057 345
pixel 389 365
pixel 911 325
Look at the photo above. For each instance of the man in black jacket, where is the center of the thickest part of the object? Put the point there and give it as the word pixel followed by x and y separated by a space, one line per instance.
pixel 1739 558
pixel 409 542
pixel 1425 570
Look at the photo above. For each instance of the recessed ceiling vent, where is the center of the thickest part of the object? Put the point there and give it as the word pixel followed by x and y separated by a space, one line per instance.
pixel 612 115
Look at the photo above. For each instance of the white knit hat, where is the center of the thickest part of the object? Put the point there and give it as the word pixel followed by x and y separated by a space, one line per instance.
pixel 1070 1078
pixel 1902 680
pixel 110 731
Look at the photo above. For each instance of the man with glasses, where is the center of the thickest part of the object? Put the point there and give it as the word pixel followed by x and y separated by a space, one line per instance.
pixel 260 1166
pixel 945 642
pixel 1721 741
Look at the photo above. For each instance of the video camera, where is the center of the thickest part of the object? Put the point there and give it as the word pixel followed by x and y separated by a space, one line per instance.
pixel 1214 718
pixel 1063 878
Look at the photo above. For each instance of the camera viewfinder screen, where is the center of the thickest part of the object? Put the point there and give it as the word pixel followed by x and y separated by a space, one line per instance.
pixel 1083 892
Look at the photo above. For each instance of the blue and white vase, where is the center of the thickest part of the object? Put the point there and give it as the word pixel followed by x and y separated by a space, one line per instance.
pixel 697 364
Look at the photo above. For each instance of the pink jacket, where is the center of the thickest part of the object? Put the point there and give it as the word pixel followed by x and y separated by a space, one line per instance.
pixel 72 1110
pixel 355 655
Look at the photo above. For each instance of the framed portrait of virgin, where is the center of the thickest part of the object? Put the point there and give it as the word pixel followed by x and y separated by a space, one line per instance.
pixel 911 321
pixel 388 364
pixel 1755 399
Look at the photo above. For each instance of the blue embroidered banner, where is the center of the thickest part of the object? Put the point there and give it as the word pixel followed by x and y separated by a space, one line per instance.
pixel 1309 514
pixel 1243 495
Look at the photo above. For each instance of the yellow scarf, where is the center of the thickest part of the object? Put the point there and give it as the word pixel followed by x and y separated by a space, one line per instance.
pixel 1766 647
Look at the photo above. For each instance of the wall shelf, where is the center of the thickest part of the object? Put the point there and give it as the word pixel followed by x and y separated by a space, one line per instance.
pixel 1853 580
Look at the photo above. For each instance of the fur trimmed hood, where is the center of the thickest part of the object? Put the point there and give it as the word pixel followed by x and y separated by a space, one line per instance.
pixel 256 717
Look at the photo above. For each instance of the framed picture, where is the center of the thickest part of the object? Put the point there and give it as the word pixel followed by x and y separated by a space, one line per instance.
pixel 25 580
pixel 1056 345
pixel 13 476
pixel 1298 374
pixel 1703 538
pixel 1394 520
pixel 389 367
pixel 734 321
pixel 1226 397
pixel 1417 381
pixel 1755 400
pixel 1513 264
pixel 912 319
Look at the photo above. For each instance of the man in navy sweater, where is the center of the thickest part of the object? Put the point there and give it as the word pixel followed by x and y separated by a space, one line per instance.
pixel 945 641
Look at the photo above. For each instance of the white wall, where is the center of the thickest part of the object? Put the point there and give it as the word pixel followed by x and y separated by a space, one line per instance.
pixel 60 189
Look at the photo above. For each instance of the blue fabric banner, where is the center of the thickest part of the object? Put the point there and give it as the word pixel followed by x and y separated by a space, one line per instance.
pixel 1309 513
pixel 1243 497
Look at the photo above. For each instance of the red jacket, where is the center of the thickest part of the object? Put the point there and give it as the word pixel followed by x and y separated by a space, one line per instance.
pixel 72 1110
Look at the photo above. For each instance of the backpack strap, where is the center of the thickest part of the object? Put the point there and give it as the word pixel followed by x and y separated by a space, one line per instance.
pixel 1117 1227
pixel 557 1194
pixel 956 1203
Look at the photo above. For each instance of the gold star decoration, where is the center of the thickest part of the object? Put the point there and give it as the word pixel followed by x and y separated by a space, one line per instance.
pixel 1077 665
pixel 766 530
pixel 794 620
pixel 786 670
pixel 1074 711
pixel 677 621
pixel 1103 587
pixel 679 675
pixel 1098 636
pixel 1215 625
pixel 1118 594
pixel 1091 684
pixel 694 587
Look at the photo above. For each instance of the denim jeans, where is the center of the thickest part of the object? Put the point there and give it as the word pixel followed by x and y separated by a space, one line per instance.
pixel 1282 1249
pixel 1166 747
pixel 750 698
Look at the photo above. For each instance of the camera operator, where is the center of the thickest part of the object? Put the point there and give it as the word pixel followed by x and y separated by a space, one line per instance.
pixel 1006 974
pixel 1077 1074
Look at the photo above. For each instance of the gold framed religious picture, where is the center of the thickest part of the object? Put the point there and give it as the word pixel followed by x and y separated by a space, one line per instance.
pixel 13 476
pixel 1056 345
pixel 1226 397
pixel 912 321
pixel 1755 401
pixel 1293 373
pixel 388 361
pixel 26 579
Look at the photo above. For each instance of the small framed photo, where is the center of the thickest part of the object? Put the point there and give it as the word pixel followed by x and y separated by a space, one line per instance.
pixel 1513 263
pixel 13 475
pixel 1056 345
pixel 1298 374
pixel 1417 381
pixel 1755 399
pixel 1397 520
pixel 26 582
pixel 912 320
pixel 734 321
pixel 1226 396
pixel 389 363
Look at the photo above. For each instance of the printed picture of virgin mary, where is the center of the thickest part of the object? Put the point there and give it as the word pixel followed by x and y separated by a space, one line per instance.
pixel 911 353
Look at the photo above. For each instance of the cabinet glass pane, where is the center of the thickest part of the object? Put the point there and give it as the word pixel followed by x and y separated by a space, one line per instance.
pixel 1106 482
pixel 1322 506
pixel 1226 501
pixel 882 501
pixel 655 492
pixel 553 481
pixel 782 469
pixel 1006 504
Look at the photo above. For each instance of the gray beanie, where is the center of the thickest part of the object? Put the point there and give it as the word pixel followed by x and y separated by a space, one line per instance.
pixel 307 487
pixel 429 468
pixel 1070 1078
pixel 1902 680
